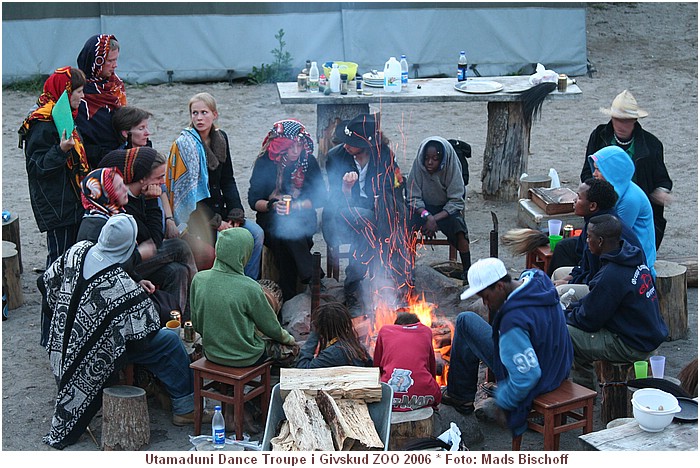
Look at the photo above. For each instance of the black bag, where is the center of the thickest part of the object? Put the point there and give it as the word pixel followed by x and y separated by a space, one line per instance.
pixel 464 151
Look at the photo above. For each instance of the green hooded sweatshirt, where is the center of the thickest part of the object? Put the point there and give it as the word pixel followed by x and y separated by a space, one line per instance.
pixel 228 307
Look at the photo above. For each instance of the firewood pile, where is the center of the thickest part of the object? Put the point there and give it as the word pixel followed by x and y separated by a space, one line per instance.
pixel 326 409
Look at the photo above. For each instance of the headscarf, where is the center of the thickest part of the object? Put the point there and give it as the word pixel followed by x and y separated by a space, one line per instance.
pixel 99 91
pixel 278 140
pixel 54 87
pixel 98 194
pixel 134 163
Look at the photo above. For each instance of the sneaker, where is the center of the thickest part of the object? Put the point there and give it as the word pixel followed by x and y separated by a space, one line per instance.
pixel 188 418
pixel 462 406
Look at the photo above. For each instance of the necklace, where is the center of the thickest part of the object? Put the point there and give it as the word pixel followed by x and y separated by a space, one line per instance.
pixel 622 143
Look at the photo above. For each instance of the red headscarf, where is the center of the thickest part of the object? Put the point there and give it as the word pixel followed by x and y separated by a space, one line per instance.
pixel 99 91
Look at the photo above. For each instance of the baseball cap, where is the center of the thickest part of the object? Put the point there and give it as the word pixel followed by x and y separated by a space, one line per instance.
pixel 483 274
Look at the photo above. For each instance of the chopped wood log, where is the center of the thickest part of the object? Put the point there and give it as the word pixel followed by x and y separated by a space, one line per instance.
pixel 359 383
pixel 284 442
pixel 10 233
pixel 691 263
pixel 615 401
pixel 350 423
pixel 125 422
pixel 306 424
pixel 11 283
pixel 410 425
pixel 672 292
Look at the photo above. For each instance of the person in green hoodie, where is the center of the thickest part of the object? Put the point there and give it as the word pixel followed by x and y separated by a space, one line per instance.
pixel 230 310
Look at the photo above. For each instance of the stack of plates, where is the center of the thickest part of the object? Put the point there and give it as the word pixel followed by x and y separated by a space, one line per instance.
pixel 373 80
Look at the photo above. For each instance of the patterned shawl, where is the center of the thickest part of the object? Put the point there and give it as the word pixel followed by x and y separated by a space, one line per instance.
pixel 54 86
pixel 98 193
pixel 99 91
pixel 92 321
pixel 275 145
pixel 187 177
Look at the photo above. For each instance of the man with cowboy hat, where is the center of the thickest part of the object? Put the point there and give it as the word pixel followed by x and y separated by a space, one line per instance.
pixel 645 150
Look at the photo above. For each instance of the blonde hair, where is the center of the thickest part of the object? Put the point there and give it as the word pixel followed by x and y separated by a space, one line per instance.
pixel 113 45
pixel 208 101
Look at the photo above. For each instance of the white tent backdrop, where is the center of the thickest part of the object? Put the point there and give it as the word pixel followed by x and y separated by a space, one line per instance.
pixel 203 41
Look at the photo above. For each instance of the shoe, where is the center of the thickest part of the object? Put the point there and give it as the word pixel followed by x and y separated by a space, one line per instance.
pixel 461 406
pixel 489 388
pixel 188 418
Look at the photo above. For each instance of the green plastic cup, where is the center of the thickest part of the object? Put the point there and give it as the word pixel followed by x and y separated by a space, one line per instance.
pixel 640 369
pixel 553 241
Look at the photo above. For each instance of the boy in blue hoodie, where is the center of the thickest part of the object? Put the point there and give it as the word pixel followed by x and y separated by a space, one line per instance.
pixel 633 207
pixel 527 346
pixel 619 320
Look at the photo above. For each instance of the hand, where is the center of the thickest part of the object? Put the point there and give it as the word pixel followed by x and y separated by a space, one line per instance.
pixel 224 225
pixel 66 144
pixel 661 197
pixel 430 227
pixel 171 231
pixel 559 282
pixel 147 249
pixel 147 286
pixel 349 180
pixel 281 207
pixel 152 191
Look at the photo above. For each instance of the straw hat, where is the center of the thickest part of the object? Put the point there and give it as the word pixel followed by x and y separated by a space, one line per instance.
pixel 624 106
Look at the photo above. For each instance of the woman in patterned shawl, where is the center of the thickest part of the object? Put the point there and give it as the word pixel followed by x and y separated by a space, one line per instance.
pixel 104 93
pixel 56 164
pixel 286 166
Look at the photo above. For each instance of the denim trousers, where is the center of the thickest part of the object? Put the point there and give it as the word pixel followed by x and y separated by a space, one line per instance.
pixel 360 225
pixel 252 268
pixel 164 355
pixel 471 343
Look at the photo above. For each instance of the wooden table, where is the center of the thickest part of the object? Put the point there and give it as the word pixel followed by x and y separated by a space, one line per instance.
pixel 508 135
pixel 629 436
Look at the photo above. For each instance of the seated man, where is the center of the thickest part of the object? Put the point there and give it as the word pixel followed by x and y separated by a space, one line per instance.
pixel 619 320
pixel 406 360
pixel 527 345
pixel 595 197
pixel 101 319
pixel 436 195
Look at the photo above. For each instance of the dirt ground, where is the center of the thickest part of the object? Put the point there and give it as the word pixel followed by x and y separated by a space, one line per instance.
pixel 648 48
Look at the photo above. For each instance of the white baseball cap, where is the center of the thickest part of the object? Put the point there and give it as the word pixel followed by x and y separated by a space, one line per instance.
pixel 483 274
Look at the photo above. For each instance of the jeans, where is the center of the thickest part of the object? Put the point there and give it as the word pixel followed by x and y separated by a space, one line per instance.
pixel 164 355
pixel 252 268
pixel 361 225
pixel 471 343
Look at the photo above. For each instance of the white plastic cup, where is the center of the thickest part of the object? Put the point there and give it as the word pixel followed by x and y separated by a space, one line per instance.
pixel 657 366
pixel 554 227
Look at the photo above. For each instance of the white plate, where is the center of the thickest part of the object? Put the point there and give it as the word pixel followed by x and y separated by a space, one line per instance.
pixel 373 84
pixel 479 87
pixel 379 76
pixel 517 88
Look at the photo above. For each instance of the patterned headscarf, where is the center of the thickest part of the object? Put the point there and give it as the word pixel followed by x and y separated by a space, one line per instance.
pixel 98 193
pixel 278 140
pixel 54 87
pixel 100 91
pixel 134 163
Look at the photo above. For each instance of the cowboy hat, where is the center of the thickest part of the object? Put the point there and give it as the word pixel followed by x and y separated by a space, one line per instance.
pixel 624 106
pixel 360 132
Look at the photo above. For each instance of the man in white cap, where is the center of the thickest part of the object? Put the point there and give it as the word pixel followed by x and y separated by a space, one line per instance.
pixel 527 346
pixel 643 148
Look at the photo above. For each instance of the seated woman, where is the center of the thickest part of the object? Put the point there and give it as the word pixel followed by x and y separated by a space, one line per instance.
pixel 406 360
pixel 201 186
pixel 335 339
pixel 286 166
pixel 101 319
pixel 436 195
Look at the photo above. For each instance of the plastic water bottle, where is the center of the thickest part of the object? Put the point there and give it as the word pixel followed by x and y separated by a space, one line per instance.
pixel 404 71
pixel 218 429
pixel 313 78
pixel 462 67
pixel 335 79
pixel 392 76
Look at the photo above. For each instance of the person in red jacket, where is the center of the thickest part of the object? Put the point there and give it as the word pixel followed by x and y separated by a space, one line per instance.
pixel 406 360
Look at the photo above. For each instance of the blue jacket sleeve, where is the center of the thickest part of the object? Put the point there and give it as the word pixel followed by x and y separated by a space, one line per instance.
pixel 519 358
pixel 593 311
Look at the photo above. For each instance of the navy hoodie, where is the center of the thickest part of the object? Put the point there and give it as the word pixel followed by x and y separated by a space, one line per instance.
pixel 622 300
pixel 534 309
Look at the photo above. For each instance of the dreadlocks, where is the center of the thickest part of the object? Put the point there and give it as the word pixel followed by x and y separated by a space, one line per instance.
pixel 333 324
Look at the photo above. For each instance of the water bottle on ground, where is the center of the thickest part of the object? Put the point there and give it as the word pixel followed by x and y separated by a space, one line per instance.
pixel 462 67
pixel 313 78
pixel 404 71
pixel 218 429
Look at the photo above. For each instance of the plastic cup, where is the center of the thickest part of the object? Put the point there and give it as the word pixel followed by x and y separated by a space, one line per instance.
pixel 554 227
pixel 641 369
pixel 657 366
pixel 553 241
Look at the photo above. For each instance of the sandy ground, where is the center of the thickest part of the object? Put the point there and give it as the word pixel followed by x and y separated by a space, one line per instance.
pixel 650 49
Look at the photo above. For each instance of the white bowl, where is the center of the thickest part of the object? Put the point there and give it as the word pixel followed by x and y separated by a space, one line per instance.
pixel 654 409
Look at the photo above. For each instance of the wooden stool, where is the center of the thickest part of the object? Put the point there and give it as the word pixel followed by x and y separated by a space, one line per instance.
pixel 554 406
pixel 11 282
pixel 409 425
pixel 333 256
pixel 125 422
pixel 539 258
pixel 225 379
pixel 10 232
pixel 615 401
pixel 423 241
pixel 672 291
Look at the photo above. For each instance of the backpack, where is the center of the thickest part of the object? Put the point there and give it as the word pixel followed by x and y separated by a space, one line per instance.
pixel 464 151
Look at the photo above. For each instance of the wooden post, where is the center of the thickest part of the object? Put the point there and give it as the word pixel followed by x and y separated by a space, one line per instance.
pixel 11 283
pixel 327 117
pixel 505 153
pixel 125 422
pixel 410 425
pixel 269 268
pixel 672 291
pixel 10 232
pixel 615 401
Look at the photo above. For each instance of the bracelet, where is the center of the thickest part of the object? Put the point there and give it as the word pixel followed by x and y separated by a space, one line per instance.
pixel 424 214
pixel 168 217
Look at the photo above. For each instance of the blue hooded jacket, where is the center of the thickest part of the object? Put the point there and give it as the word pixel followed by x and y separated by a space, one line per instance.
pixel 622 300
pixel 531 313
pixel 633 206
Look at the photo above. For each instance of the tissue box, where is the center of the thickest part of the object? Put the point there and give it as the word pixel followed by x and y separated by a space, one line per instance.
pixel 532 216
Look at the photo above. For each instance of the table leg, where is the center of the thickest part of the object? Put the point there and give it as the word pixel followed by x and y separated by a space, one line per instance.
pixel 506 151
pixel 327 117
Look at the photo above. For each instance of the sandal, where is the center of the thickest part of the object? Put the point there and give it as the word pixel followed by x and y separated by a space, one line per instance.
pixel 461 406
